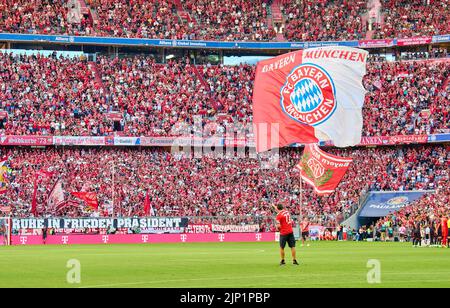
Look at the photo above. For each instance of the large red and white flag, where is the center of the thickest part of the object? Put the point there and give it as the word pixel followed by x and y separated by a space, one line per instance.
pixel 321 170
pixel 56 197
pixel 309 95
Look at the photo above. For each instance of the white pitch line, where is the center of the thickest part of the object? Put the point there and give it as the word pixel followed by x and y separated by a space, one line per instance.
pixel 179 280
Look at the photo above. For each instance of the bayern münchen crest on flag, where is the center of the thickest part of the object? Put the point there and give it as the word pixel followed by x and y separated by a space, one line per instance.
pixel 309 95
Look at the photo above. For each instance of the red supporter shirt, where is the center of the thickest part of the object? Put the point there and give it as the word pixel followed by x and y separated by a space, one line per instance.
pixel 284 218
pixel 444 224
pixel 305 226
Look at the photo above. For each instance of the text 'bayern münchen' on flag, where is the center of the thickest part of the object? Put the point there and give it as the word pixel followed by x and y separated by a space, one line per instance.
pixel 321 170
pixel 309 95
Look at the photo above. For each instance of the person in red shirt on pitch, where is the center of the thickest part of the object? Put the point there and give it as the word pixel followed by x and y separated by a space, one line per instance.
pixel 284 225
pixel 304 228
pixel 444 227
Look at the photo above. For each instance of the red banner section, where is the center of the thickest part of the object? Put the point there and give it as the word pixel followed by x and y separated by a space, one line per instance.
pixel 198 228
pixel 376 43
pixel 408 139
pixel 26 140
pixel 390 140
pixel 414 41
pixel 143 238
pixel 376 140
pixel 73 140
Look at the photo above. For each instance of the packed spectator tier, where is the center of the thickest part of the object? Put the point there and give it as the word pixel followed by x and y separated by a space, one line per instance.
pixel 227 20
pixel 180 185
pixel 408 18
pixel 62 96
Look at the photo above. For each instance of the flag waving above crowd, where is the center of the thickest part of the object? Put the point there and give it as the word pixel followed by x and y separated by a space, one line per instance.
pixel 56 196
pixel 309 95
pixel 90 199
pixel 321 170
pixel 3 174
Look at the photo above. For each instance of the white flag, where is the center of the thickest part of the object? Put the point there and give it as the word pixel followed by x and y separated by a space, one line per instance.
pixel 56 197
pixel 345 68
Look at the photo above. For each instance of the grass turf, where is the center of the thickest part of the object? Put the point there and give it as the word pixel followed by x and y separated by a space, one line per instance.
pixel 323 264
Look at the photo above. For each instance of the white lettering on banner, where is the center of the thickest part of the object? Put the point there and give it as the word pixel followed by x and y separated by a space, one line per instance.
pixel 145 238
pixel 126 141
pixel 336 54
pixel 105 239
pixel 65 239
pixel 23 240
pixel 104 223
pixel 235 228
pixel 53 223
pixel 196 228
pixel 279 64
pixel 183 237
pixel 386 206
pixel 73 140
pixel 258 237
pixel 221 237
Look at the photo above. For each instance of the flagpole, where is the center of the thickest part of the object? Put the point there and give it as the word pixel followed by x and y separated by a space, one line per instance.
pixel 113 186
pixel 301 201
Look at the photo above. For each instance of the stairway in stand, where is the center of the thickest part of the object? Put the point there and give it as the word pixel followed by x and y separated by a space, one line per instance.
pixel 276 17
pixel 185 16
pixel 97 76
pixel 87 12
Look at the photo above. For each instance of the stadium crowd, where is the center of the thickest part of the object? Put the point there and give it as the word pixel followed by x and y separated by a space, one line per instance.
pixel 211 186
pixel 62 96
pixel 409 18
pixel 406 98
pixel 43 17
pixel 138 19
pixel 333 20
pixel 229 20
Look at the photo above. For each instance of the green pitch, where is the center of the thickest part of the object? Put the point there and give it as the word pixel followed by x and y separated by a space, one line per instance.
pixel 324 264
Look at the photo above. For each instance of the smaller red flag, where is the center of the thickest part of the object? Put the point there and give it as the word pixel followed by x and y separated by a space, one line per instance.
pixel 321 170
pixel 89 198
pixel 147 205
